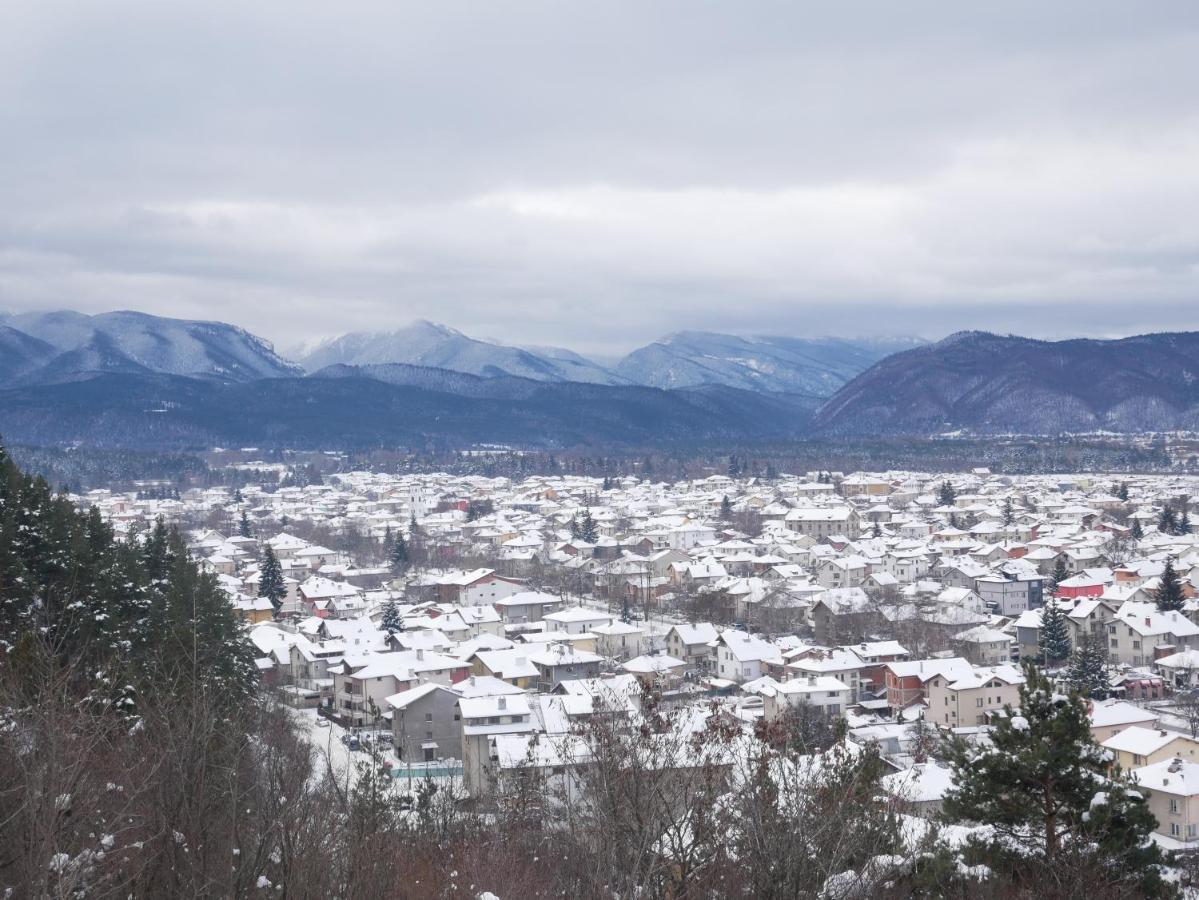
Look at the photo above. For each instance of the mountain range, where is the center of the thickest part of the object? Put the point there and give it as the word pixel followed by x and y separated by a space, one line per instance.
pixel 134 380
pixel 817 367
pixel 438 346
pixel 989 383
pixel 814 367
pixel 43 348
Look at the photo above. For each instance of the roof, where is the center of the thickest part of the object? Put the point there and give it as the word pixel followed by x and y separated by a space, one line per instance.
pixel 952 669
pixel 1118 712
pixel 700 633
pixel 810 685
pixel 578 614
pixel 1141 741
pixel 492 706
pixel 647 665
pixel 1171 776
pixel 406 698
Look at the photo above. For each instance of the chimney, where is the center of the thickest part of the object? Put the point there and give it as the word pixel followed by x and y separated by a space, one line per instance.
pixel 420 654
pixel 472 681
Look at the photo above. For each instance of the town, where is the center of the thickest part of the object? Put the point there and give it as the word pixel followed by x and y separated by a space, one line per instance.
pixel 471 630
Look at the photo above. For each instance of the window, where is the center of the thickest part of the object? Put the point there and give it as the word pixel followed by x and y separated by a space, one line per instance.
pixel 1174 830
pixel 428 717
pixel 979 702
pixel 428 735
pixel 1174 806
pixel 1136 645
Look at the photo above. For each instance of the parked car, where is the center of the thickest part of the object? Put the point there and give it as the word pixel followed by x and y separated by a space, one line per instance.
pixel 322 722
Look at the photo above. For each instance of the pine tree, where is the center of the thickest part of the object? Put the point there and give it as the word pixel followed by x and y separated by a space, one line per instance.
pixel 1169 595
pixel 574 527
pixel 1054 637
pixel 1184 522
pixel 1122 493
pixel 1137 531
pixel 947 495
pixel 1009 514
pixel 270 579
pixel 137 610
pixel 1166 523
pixel 1088 668
pixel 588 530
pixel 397 560
pixel 243 526
pixel 391 621
pixel 416 541
pixel 726 509
pixel 1060 574
pixel 1043 785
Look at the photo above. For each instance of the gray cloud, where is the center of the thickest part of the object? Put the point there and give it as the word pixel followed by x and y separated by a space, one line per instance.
pixel 598 174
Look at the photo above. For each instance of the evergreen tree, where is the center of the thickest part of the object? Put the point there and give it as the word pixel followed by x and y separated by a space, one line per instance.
pixel 138 610
pixel 1122 493
pixel 243 526
pixel 397 560
pixel 391 621
pixel 1043 785
pixel 588 530
pixel 1088 668
pixel 416 541
pixel 574 527
pixel 877 530
pixel 1137 532
pixel 270 579
pixel 237 496
pixel 726 509
pixel 1054 637
pixel 947 496
pixel 1059 575
pixel 1166 523
pixel 1009 514
pixel 1169 596
pixel 1184 522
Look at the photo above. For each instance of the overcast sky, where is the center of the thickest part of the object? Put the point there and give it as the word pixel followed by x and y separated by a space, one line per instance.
pixel 599 174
